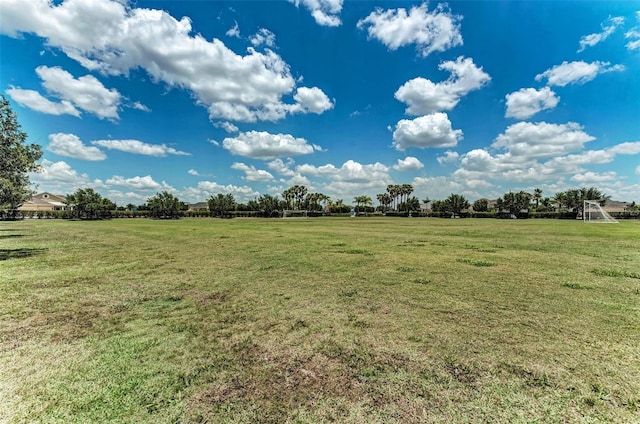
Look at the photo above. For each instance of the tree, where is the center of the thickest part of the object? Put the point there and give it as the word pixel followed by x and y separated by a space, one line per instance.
pixel 362 201
pixel 410 205
pixel 221 204
pixel 573 199
pixel 86 203
pixel 455 203
pixel 537 196
pixel 481 205
pixel 385 200
pixel 268 204
pixel 394 192
pixel 514 202
pixel 164 205
pixel 17 159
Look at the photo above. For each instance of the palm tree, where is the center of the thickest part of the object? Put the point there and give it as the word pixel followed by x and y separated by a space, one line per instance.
pixel 394 192
pixel 455 203
pixel 287 195
pixel 301 192
pixel 405 191
pixel 362 200
pixel 537 196
pixel 384 199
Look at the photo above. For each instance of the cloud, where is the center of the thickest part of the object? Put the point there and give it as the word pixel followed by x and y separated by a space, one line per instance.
pixel 312 100
pixel 59 177
pixel 434 31
pixel 638 170
pixel 436 187
pixel 234 32
pixel 349 180
pixel 526 102
pixel 112 38
pixel 608 27
pixel 423 96
pixel 193 172
pixel 282 168
pixel 325 12
pixel 206 189
pixel 34 100
pixel 227 126
pixel 526 140
pixel 634 35
pixel 264 145
pixel 591 178
pixel 263 36
pixel 140 106
pixel 426 131
pixel 576 72
pixel 408 164
pixel 70 145
pixel 139 147
pixel 449 157
pixel 146 183
pixel 537 153
pixel 350 171
pixel 85 92
pixel 628 148
pixel 251 173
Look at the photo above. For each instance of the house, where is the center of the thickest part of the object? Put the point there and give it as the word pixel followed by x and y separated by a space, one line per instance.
pixel 200 206
pixel 45 202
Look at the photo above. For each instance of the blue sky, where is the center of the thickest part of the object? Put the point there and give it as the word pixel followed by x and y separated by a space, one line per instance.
pixel 344 97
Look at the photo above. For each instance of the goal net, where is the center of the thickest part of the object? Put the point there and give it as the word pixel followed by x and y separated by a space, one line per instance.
pixel 593 212
pixel 297 213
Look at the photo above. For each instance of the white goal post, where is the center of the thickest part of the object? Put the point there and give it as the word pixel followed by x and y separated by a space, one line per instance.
pixel 592 212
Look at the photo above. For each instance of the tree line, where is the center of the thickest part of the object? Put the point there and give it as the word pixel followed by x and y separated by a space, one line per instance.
pixel 18 159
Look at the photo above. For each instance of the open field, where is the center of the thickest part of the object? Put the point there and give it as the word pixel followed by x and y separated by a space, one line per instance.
pixel 319 320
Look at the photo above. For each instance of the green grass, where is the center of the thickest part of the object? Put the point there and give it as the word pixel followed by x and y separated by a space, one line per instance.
pixel 319 320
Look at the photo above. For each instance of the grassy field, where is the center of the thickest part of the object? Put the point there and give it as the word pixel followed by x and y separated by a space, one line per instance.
pixel 366 320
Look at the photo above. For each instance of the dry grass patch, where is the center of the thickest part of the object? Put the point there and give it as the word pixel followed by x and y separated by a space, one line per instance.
pixel 319 320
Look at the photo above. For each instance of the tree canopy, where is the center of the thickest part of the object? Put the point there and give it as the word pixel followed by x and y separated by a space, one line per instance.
pixel 86 203
pixel 17 159
pixel 164 205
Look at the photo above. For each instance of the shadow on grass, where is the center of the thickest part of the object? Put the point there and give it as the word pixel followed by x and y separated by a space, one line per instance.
pixel 6 254
pixel 6 236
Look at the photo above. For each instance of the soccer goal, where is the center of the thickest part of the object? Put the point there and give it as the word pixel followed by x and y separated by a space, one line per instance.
pixel 593 212
pixel 297 213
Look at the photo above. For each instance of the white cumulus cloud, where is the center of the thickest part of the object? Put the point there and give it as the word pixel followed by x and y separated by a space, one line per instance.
pixel 526 102
pixel 578 72
pixel 146 183
pixel 432 130
pixel 409 163
pixel 85 92
pixel 312 100
pixel 251 173
pixel 529 140
pixel 264 145
pixel 36 101
pixel 589 178
pixel 325 12
pixel 110 37
pixel 140 148
pixel 448 157
pixel 263 36
pixel 423 96
pixel 70 145
pixel 430 31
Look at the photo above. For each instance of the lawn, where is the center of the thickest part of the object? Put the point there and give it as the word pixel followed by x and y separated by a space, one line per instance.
pixel 366 320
